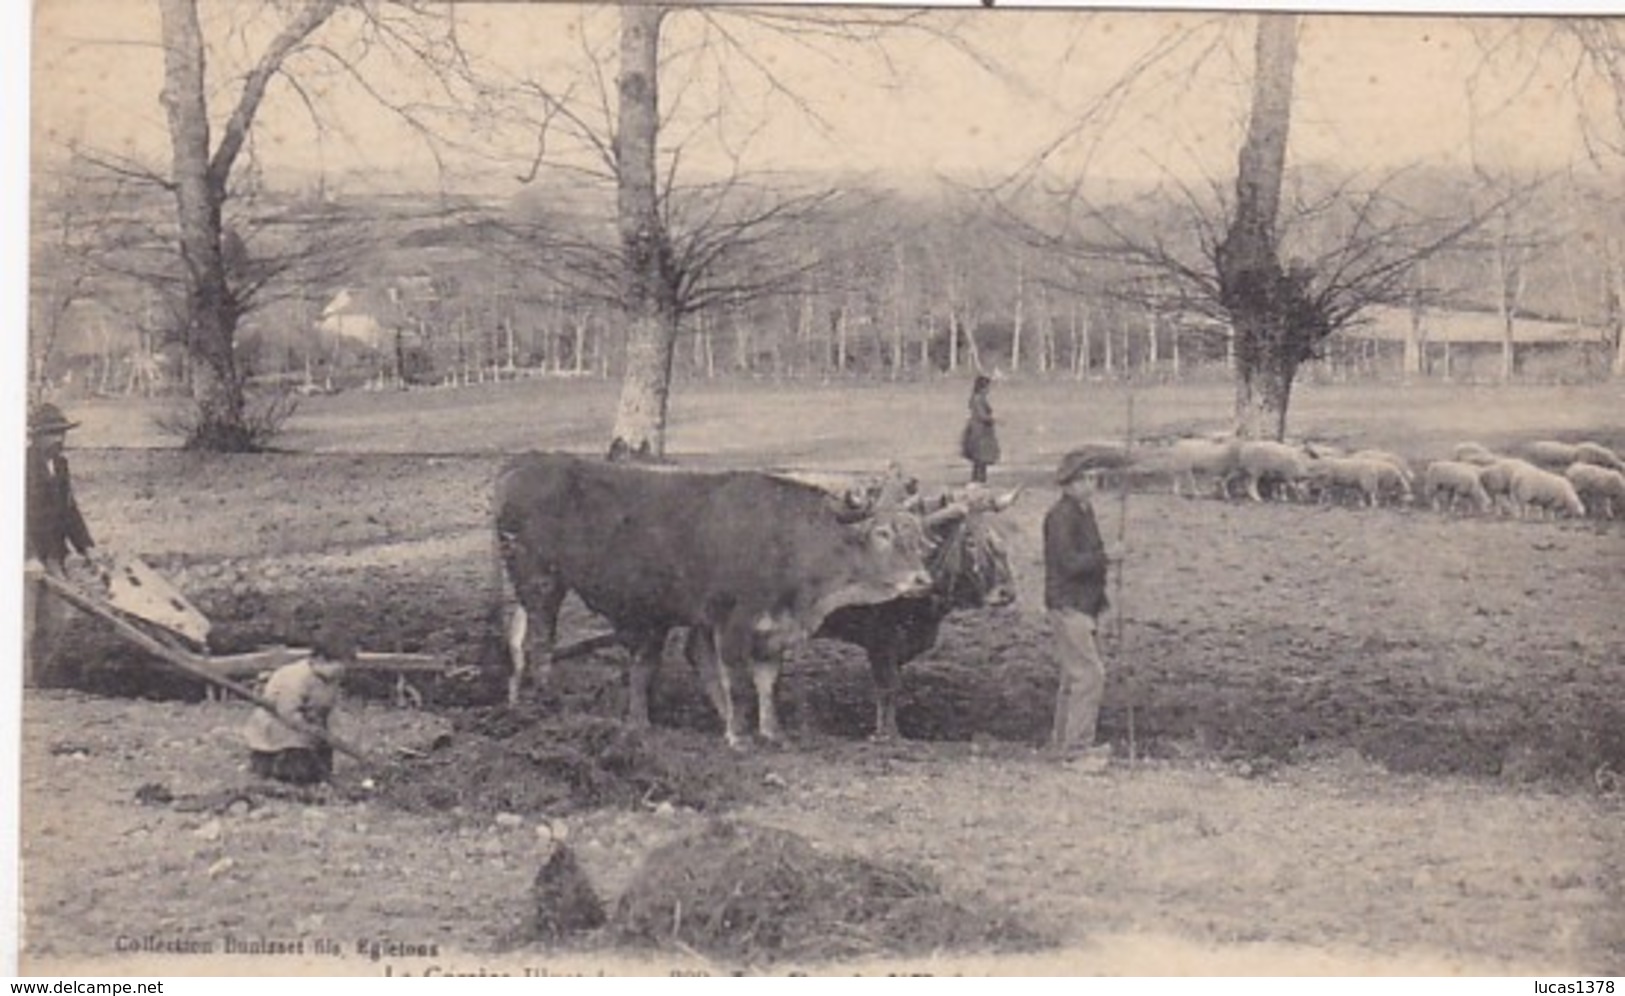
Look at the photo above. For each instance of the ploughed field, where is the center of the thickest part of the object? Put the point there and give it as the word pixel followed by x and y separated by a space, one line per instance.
pixel 1385 737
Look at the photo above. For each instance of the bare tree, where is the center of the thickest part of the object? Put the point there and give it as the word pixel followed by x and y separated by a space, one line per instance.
pixel 689 235
pixel 1281 270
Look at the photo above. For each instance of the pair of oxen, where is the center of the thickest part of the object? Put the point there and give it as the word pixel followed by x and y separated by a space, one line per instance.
pixel 750 563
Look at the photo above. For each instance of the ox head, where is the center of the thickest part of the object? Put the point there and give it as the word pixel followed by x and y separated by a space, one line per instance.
pixel 970 561
pixel 137 590
pixel 884 549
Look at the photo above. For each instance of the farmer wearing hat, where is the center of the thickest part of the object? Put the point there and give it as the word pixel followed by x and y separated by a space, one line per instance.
pixel 308 691
pixel 1075 597
pixel 54 527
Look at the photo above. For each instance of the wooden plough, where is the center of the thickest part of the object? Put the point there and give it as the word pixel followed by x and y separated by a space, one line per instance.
pixel 175 615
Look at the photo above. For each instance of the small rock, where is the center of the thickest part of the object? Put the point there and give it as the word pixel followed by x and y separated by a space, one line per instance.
pixel 510 820
pixel 222 866
pixel 209 831
pixel 665 808
pixel 773 780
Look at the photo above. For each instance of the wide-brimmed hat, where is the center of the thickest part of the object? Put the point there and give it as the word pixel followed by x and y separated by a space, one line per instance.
pixel 1081 461
pixel 48 418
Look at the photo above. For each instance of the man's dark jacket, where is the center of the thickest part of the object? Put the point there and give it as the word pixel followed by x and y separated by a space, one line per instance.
pixel 54 521
pixel 1074 558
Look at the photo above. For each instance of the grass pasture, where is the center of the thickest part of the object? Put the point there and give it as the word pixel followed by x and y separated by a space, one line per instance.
pixel 1363 740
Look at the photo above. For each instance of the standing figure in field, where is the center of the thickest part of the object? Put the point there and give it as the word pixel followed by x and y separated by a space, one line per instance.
pixel 308 691
pixel 54 528
pixel 1075 597
pixel 980 443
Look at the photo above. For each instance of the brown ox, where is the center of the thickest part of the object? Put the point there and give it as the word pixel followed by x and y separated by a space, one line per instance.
pixel 753 563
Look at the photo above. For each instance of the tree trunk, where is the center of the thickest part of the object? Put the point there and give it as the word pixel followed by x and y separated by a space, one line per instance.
pixel 200 177
pixel 1080 358
pixel 650 313
pixel 899 316
pixel 199 197
pixel 1015 327
pixel 1107 359
pixel 1614 296
pixel 1251 278
pixel 1509 280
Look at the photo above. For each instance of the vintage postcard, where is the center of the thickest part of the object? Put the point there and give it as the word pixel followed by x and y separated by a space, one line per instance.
pixel 543 489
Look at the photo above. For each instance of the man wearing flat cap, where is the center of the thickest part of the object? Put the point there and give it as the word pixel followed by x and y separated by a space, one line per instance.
pixel 1075 597
pixel 54 527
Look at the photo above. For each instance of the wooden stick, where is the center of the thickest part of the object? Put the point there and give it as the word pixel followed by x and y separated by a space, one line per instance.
pixel 1122 539
pixel 242 665
pixel 191 665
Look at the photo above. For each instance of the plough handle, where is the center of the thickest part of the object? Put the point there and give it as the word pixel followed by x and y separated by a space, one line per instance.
pixel 189 663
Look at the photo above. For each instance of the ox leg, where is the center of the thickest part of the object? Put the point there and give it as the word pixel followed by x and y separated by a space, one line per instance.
pixel 703 653
pixel 764 674
pixel 887 678
pixel 646 651
pixel 541 600
pixel 518 629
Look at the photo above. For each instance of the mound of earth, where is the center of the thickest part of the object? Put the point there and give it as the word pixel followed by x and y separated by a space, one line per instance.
pixel 500 760
pixel 752 894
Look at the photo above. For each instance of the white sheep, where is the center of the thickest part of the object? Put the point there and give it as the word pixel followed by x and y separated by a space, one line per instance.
pixel 1210 457
pixel 1535 488
pixel 1393 460
pixel 1329 477
pixel 1548 453
pixel 1497 481
pixel 1453 480
pixel 1474 453
pixel 1598 455
pixel 1265 459
pixel 1601 489
pixel 1371 479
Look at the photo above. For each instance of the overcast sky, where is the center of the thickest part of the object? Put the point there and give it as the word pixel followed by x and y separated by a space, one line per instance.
pixel 1372 92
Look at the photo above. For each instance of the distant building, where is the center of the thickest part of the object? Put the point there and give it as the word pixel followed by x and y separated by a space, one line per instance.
pixel 350 315
pixel 1464 345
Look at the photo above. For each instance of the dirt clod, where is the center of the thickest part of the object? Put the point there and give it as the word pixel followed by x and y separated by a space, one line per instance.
pixel 562 899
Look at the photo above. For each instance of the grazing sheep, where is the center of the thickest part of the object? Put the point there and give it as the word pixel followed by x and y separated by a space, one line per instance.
pixel 1474 453
pixel 1536 488
pixel 1602 490
pixel 1266 460
pixel 1546 453
pixel 1393 460
pixel 1370 480
pixel 1598 455
pixel 1497 481
pixel 1325 479
pixel 1453 480
pixel 1211 457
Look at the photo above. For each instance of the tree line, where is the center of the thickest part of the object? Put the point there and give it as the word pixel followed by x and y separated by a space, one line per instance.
pixel 626 259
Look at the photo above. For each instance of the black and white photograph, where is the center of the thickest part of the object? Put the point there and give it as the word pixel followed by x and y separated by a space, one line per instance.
pixel 701 489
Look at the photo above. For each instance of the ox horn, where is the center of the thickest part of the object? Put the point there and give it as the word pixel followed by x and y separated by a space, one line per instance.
pixel 894 487
pixel 1007 499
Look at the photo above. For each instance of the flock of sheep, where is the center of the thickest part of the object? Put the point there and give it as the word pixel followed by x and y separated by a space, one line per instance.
pixel 1544 478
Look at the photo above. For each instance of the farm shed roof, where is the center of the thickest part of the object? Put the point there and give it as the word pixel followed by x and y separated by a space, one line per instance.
pixel 1389 324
